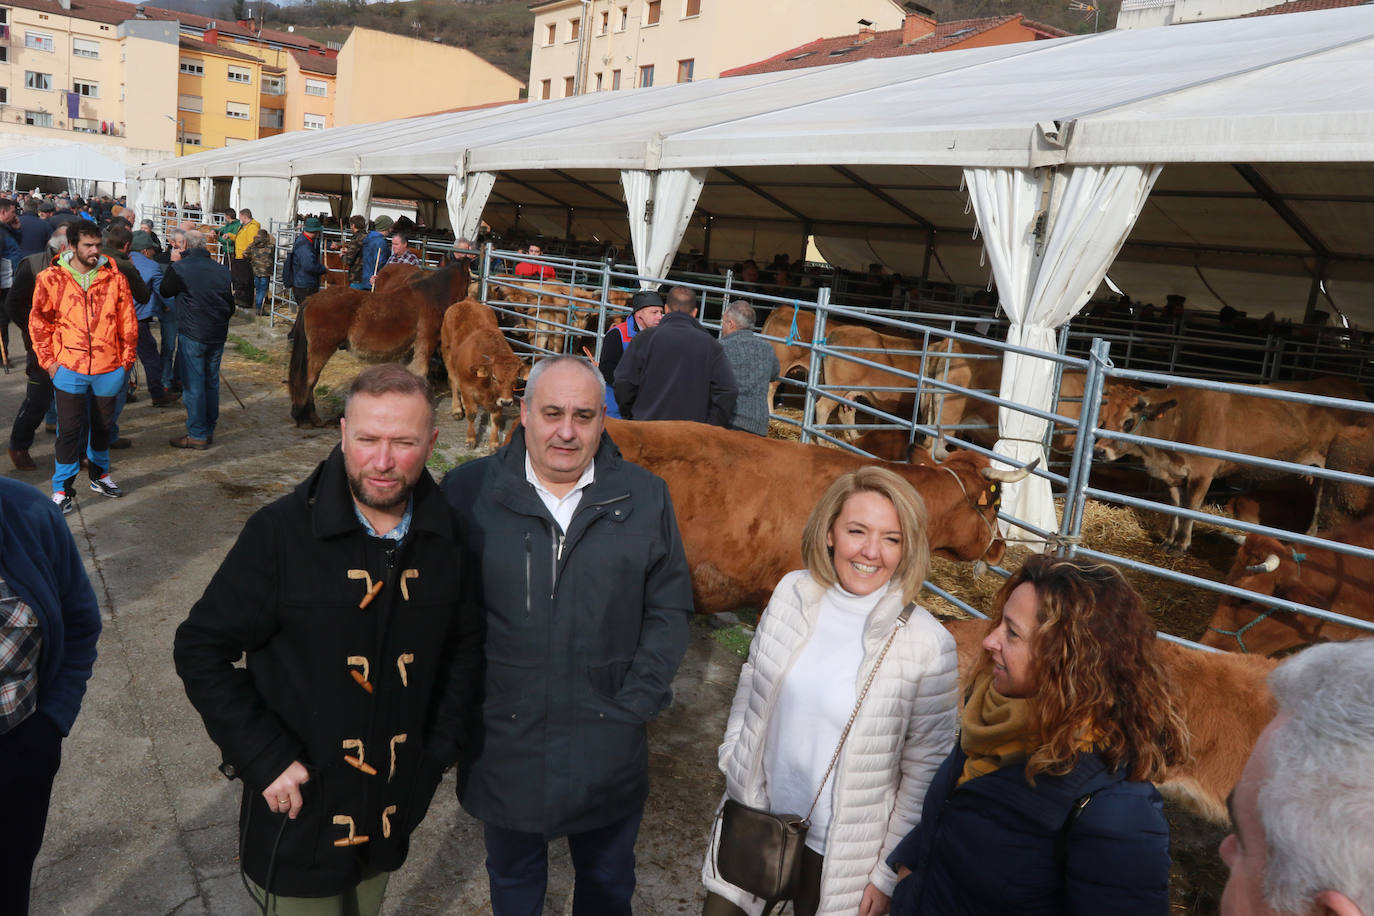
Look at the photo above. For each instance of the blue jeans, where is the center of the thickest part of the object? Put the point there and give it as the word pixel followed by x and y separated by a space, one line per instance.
pixel 78 425
pixel 603 866
pixel 200 378
pixel 171 358
pixel 260 292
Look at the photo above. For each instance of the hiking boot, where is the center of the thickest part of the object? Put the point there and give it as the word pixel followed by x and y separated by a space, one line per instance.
pixel 106 486
pixel 167 400
pixel 122 442
pixel 64 502
pixel 19 457
pixel 188 442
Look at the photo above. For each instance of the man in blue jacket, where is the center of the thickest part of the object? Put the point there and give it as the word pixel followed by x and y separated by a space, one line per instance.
pixel 49 624
pixel 583 584
pixel 205 302
pixel 303 267
pixel 142 253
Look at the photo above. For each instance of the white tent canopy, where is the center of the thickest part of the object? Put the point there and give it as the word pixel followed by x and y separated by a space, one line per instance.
pixel 1263 127
pixel 69 160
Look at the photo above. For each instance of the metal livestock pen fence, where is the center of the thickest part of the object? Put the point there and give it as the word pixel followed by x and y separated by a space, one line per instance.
pixel 585 317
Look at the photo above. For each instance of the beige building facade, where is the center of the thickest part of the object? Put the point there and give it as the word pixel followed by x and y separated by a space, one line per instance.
pixel 582 46
pixel 447 77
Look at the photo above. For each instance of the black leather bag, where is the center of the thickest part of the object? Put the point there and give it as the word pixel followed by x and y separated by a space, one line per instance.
pixel 761 852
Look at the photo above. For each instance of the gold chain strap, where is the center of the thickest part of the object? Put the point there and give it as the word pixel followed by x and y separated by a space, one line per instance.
pixel 902 618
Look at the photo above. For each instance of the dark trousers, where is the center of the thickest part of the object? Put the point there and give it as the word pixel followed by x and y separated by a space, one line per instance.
pixel 29 756
pixel 241 275
pixel 37 400
pixel 808 898
pixel 81 426
pixel 151 359
pixel 603 866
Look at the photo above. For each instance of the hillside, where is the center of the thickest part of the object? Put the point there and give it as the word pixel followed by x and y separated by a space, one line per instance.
pixel 501 30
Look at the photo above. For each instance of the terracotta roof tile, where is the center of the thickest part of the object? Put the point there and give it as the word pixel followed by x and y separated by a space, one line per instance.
pixel 947 35
pixel 316 63
pixel 1304 6
pixel 114 12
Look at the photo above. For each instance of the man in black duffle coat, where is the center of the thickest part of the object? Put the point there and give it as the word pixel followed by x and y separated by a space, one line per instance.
pixel 583 583
pixel 362 661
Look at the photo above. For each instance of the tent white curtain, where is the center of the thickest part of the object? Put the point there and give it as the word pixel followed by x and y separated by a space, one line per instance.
pixel 1043 279
pixel 81 187
pixel 467 196
pixel 235 192
pixel 362 194
pixel 660 204
pixel 293 194
pixel 132 188
pixel 207 198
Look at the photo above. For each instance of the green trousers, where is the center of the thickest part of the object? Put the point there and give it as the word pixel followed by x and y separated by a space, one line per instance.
pixel 363 900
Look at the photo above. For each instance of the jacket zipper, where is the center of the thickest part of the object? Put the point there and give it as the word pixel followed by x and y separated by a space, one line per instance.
pixel 529 578
pixel 560 539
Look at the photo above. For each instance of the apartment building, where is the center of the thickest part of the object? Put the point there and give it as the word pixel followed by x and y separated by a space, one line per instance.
pixel 149 82
pixel 602 45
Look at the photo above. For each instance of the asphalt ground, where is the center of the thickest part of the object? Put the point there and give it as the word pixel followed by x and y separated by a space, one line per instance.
pixel 141 821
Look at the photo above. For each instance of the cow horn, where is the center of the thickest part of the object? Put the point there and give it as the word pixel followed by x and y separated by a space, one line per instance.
pixel 980 568
pixel 1270 564
pixel 1010 476
pixel 939 451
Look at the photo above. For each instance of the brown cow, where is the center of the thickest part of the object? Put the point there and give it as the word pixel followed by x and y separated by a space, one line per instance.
pixel 1223 698
pixel 742 501
pixel 1315 576
pixel 549 306
pixel 790 325
pixel 482 368
pixel 1340 502
pixel 1262 427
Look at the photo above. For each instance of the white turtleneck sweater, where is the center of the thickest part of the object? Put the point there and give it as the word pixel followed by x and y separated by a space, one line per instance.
pixel 812 707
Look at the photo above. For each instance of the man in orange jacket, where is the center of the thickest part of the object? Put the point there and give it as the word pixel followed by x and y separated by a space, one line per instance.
pixel 85 336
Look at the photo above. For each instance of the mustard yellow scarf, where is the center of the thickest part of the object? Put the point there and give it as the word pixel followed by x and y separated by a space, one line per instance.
pixel 995 731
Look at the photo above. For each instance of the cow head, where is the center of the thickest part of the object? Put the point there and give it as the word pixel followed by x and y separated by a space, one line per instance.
pixel 501 373
pixel 1126 409
pixel 1268 567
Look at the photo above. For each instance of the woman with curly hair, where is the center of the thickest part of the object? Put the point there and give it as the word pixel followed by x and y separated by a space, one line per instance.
pixel 1045 805
pixel 821 637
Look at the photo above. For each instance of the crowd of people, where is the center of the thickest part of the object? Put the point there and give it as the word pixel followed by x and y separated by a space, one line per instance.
pixel 523 619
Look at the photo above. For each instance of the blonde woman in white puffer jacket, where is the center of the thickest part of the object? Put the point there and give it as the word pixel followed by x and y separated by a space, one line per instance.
pixel 866 555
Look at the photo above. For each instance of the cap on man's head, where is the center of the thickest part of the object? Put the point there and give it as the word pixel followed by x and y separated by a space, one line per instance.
pixel 384 223
pixel 645 298
pixel 143 241
pixel 47 206
pixel 313 225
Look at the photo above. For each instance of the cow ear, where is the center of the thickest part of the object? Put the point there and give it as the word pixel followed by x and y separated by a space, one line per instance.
pixel 1155 411
pixel 481 371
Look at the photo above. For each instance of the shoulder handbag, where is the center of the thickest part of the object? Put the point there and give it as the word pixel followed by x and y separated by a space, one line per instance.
pixel 761 852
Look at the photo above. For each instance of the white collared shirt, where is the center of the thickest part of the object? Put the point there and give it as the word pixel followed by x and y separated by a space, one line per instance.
pixel 562 509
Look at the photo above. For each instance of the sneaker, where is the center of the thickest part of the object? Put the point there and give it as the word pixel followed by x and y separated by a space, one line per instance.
pixel 64 502
pixel 106 486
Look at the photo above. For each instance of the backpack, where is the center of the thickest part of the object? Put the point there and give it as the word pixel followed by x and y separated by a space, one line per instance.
pixel 288 268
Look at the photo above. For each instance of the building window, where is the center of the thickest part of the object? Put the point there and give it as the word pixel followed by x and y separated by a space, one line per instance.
pixel 86 125
pixel 646 76
pixel 237 110
pixel 684 71
pixel 569 86
pixel 272 85
pixel 652 10
pixel 84 47
pixel 314 122
pixel 272 117
pixel 190 103
pixel 38 41
pixel 624 19
pixel 605 22
pixel 89 90
pixel 190 139
pixel 574 29
pixel 692 8
pixel 545 88
pixel 598 82
pixel 615 79
pixel 38 118
pixel 240 74
pixel 34 80
pixel 316 87
pixel 550 33
pixel 4 53
pixel 4 94
pixel 192 67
